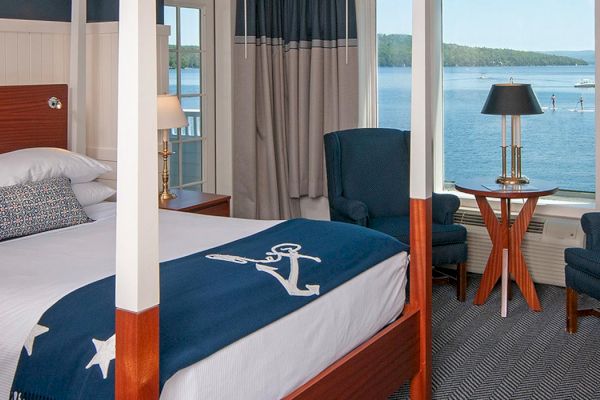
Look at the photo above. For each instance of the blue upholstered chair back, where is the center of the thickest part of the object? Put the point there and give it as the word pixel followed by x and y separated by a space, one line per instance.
pixel 379 178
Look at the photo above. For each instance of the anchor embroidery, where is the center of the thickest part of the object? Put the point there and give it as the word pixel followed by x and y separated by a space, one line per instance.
pixel 277 253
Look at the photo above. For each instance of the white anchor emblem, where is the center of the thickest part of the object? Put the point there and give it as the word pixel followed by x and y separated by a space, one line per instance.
pixel 277 253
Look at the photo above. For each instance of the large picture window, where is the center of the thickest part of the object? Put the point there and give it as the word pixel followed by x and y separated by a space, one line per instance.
pixel 549 44
pixel 394 28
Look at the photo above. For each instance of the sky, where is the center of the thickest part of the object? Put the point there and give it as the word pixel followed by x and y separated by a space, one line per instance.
pixel 190 25
pixel 541 25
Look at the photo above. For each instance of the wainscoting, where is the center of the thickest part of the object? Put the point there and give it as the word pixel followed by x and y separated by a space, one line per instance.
pixel 38 52
pixel 34 52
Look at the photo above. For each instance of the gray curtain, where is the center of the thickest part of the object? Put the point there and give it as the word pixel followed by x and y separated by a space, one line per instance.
pixel 295 79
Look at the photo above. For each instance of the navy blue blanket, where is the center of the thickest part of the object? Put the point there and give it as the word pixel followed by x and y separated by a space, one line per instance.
pixel 208 301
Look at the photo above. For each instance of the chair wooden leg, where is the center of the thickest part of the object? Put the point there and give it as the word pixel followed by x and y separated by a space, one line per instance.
pixel 461 282
pixel 571 311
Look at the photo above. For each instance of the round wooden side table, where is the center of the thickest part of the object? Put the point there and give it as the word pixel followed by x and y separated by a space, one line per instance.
pixel 506 257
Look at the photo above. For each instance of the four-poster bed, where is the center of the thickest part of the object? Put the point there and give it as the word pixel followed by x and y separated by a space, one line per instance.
pixel 137 70
pixel 397 353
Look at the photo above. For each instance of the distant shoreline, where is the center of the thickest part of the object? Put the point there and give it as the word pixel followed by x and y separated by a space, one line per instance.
pixel 488 66
pixel 395 51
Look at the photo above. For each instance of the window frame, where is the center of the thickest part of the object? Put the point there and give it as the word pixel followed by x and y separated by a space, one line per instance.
pixel 206 96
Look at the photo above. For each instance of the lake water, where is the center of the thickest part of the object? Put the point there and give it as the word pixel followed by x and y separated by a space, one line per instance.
pixel 558 146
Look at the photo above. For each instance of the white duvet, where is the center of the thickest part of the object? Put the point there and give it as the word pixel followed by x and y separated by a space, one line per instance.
pixel 38 270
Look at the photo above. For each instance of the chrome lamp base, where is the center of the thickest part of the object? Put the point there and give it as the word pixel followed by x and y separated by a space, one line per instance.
pixel 515 178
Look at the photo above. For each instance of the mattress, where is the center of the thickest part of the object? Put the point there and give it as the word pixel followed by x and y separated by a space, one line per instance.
pixel 38 270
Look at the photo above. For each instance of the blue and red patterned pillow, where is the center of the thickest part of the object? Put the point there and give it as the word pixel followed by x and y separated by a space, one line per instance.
pixel 34 207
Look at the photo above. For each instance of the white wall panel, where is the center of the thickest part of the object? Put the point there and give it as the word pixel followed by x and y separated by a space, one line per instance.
pixel 2 54
pixel 11 58
pixel 33 52
pixel 23 57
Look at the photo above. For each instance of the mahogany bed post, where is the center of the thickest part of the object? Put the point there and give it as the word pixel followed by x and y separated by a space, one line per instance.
pixel 420 290
pixel 426 117
pixel 137 277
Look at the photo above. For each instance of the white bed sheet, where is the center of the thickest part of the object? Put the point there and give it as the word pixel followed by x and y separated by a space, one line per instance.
pixel 37 271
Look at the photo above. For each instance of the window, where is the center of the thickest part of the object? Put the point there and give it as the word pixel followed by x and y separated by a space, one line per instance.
pixel 191 77
pixel 549 44
pixel 394 28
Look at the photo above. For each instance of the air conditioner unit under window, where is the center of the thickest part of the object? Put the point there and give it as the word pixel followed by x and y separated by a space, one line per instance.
pixel 543 245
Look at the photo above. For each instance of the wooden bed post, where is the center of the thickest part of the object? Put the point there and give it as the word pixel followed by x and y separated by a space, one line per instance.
pixel 426 117
pixel 137 279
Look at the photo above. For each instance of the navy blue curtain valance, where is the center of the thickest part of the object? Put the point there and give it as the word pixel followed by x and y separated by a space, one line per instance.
pixel 296 20
pixel 60 10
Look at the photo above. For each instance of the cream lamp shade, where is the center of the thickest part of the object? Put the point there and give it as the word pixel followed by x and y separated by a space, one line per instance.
pixel 170 114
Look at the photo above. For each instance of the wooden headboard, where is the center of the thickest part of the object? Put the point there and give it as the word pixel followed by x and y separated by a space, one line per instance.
pixel 27 120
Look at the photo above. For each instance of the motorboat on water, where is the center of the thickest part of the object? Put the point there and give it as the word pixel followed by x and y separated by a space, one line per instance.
pixel 585 83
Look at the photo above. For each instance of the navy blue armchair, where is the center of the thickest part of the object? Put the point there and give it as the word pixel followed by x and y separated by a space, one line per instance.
pixel 582 272
pixel 368 183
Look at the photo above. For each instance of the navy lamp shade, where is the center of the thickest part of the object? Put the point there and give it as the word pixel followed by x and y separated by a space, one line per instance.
pixel 514 99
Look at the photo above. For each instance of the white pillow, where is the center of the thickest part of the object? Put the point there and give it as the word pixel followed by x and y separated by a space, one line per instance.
pixel 91 193
pixel 35 164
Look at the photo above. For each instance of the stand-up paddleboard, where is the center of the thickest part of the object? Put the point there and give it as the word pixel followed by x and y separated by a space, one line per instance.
pixel 582 111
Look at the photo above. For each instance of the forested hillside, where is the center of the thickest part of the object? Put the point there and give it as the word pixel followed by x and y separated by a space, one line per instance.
pixel 395 51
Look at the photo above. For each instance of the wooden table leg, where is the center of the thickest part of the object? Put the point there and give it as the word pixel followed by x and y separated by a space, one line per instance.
pixel 517 265
pixel 493 268
pixel 508 237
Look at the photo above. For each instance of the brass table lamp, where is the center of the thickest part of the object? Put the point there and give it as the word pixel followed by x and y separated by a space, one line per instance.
pixel 514 99
pixel 170 116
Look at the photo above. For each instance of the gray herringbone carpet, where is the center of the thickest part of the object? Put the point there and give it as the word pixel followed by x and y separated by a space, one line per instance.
pixel 479 355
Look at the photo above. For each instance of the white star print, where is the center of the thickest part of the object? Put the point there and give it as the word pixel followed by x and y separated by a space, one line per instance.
pixel 105 353
pixel 35 332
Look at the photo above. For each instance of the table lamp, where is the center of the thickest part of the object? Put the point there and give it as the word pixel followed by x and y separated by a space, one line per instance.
pixel 170 116
pixel 514 99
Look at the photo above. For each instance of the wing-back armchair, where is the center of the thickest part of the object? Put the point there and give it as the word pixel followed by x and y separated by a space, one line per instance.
pixel 582 272
pixel 368 184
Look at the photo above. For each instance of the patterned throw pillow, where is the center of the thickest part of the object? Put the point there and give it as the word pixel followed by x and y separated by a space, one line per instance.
pixel 40 206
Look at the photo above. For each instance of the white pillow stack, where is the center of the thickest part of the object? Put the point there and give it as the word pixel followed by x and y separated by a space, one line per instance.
pixel 36 164
pixel 90 193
